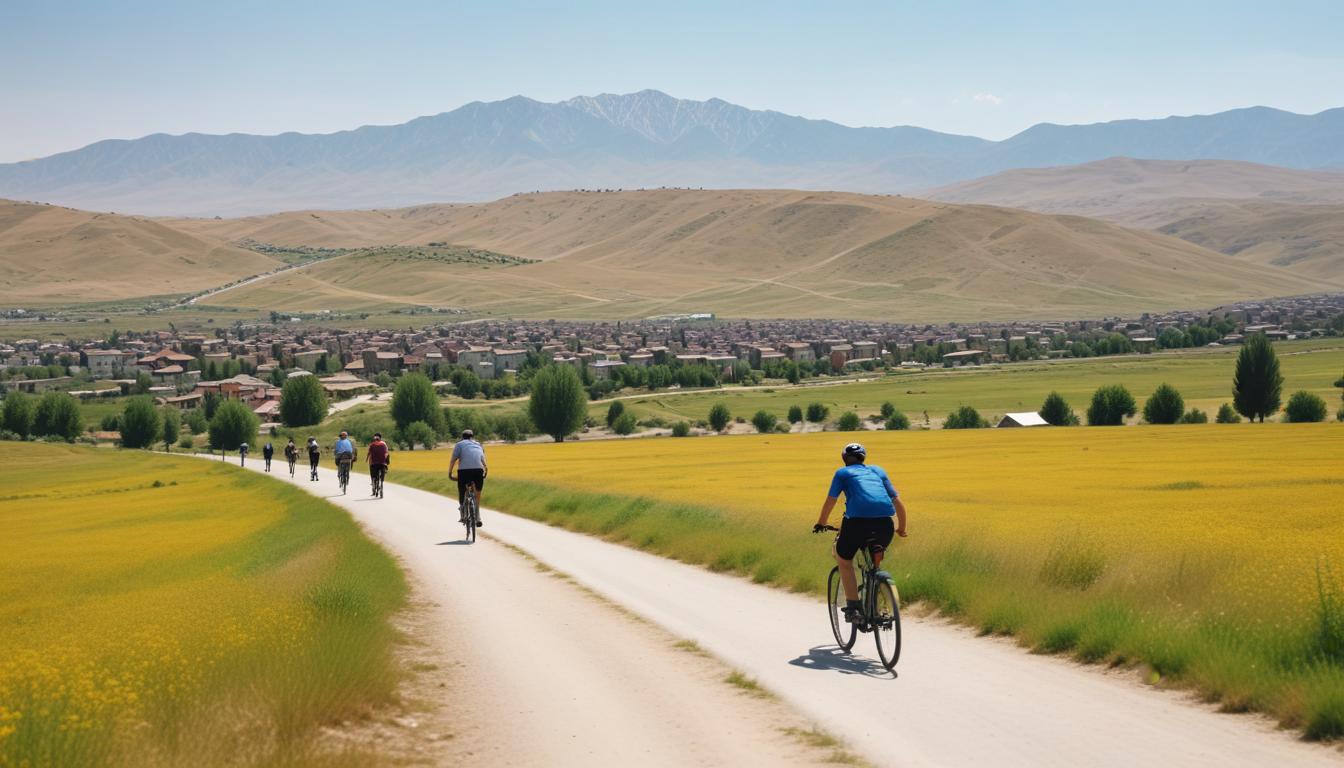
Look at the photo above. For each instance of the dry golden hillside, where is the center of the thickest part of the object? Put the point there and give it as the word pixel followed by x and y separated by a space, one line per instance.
pixel 746 253
pixel 51 255
pixel 1307 239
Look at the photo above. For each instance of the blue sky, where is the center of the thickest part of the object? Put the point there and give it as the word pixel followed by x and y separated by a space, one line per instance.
pixel 75 72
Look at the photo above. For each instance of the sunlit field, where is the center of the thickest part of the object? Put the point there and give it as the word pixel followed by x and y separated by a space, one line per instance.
pixel 1211 555
pixel 169 611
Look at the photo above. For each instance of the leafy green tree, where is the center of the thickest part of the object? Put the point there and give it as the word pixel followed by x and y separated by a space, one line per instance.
pixel 140 423
pixel 719 417
pixel 1055 410
pixel 209 403
pixel 416 433
pixel 111 422
pixel 1194 416
pixel 58 415
pixel 888 408
pixel 1304 407
pixel 681 429
pixel 18 413
pixel 186 442
pixel 468 384
pixel 764 421
pixel 817 412
pixel 197 422
pixel 233 425
pixel 1165 406
pixel 558 404
pixel 624 424
pixel 415 400
pixel 1257 384
pixel 795 414
pixel 965 417
pixel 898 421
pixel 143 381
pixel 172 427
pixel 848 422
pixel 303 402
pixel 1111 404
pixel 614 412
pixel 1227 414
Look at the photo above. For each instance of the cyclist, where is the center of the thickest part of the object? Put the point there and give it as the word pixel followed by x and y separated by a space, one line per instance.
pixel 267 451
pixel 242 454
pixel 870 502
pixel 345 455
pixel 469 461
pixel 378 458
pixel 291 455
pixel 314 456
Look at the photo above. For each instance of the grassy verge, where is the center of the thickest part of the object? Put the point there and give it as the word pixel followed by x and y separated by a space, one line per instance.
pixel 166 611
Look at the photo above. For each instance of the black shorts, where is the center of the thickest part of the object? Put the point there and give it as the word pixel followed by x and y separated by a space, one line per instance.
pixel 378 470
pixel 858 532
pixel 464 476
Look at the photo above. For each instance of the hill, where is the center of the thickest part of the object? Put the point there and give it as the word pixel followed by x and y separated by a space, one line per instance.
pixel 743 253
pixel 1306 239
pixel 483 151
pixel 52 255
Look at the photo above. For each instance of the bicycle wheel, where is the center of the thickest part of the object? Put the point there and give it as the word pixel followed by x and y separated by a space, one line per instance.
pixel 887 624
pixel 844 632
pixel 469 515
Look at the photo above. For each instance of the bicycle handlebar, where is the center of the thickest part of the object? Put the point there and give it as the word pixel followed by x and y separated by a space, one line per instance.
pixel 820 528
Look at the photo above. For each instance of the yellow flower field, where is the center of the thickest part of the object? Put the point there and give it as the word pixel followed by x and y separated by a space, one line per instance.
pixel 1194 549
pixel 156 609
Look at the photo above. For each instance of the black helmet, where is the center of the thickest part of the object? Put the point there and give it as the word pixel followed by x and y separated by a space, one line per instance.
pixel 855 450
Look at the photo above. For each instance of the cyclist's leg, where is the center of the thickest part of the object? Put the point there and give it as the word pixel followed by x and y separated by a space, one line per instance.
pixel 847 544
pixel 461 497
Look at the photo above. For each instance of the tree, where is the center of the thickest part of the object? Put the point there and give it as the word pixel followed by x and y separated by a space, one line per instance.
pixel 1194 416
pixel 1304 407
pixel 1055 410
pixel 415 400
pixel 1165 406
pixel 817 412
pixel 849 422
pixel 614 412
pixel 898 421
pixel 209 404
pixel 1111 403
pixel 1257 384
pixel 233 425
pixel 764 421
pixel 558 404
pixel 965 417
pixel 143 381
pixel 197 421
pixel 888 408
pixel 417 432
pixel 624 424
pixel 303 402
pixel 277 377
pixel 18 413
pixel 1227 414
pixel 719 417
pixel 795 414
pixel 172 427
pixel 57 415
pixel 468 384
pixel 681 429
pixel 140 423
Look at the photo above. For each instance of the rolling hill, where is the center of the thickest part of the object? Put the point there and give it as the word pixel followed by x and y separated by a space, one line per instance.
pixel 51 255
pixel 743 253
pixel 483 151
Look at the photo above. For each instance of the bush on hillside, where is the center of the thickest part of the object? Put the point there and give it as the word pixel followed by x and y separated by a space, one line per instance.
pixel 111 422
pixel 18 414
pixel 719 417
pixel 898 421
pixel 1111 404
pixel 140 423
pixel 888 408
pixel 1194 416
pixel 681 429
pixel 614 412
pixel 58 416
pixel 171 428
pixel 1056 411
pixel 965 417
pixel 1227 414
pixel 415 400
pixel 625 424
pixel 764 421
pixel 416 433
pixel 848 422
pixel 1304 407
pixel 817 412
pixel 795 414
pixel 197 422
pixel 303 402
pixel 233 425
pixel 1165 406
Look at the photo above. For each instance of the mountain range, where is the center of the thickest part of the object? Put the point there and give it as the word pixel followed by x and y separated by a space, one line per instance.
pixel 483 151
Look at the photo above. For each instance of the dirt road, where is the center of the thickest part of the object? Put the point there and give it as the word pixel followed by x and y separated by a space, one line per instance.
pixel 959 700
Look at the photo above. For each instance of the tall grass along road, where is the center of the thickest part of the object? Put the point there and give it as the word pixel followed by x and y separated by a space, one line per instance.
pixel 959 700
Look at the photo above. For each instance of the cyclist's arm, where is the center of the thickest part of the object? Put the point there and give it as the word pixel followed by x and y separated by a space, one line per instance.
pixel 452 465
pixel 900 515
pixel 826 508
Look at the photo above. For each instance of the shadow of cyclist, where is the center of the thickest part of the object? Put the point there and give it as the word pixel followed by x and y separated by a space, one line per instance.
pixel 831 659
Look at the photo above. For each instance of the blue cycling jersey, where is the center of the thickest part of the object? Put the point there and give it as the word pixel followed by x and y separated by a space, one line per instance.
pixel 868 491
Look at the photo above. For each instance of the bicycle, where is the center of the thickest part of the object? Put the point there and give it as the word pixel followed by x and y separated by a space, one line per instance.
pixel 292 462
pixel 879 602
pixel 376 476
pixel 471 513
pixel 343 474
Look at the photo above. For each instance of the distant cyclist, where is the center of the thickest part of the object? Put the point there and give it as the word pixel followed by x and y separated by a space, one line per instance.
pixel 242 454
pixel 870 502
pixel 291 455
pixel 314 456
pixel 345 454
pixel 469 463
pixel 378 458
pixel 267 451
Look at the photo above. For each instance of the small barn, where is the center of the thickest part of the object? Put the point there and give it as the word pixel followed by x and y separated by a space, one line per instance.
pixel 1028 419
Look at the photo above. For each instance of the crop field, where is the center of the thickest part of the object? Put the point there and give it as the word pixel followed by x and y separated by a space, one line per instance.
pixel 168 611
pixel 1209 555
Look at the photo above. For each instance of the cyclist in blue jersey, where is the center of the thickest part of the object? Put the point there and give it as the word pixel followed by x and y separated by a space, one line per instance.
pixel 870 503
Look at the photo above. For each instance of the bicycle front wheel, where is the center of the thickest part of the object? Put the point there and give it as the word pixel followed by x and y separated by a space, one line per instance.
pixel 887 624
pixel 844 632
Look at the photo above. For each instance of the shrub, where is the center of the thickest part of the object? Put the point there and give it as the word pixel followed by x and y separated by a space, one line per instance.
pixel 558 403
pixel 415 400
pixel 1111 403
pixel 186 442
pixel 233 425
pixel 57 415
pixel 197 421
pixel 416 433
pixel 1257 383
pixel 140 423
pixel 1303 406
pixel 18 414
pixel 110 422
pixel 1165 406
pixel 795 414
pixel 719 417
pixel 888 408
pixel 817 412
pixel 303 402
pixel 1227 414
pixel 625 424
pixel 1055 410
pixel 898 420
pixel 764 421
pixel 965 417
pixel 681 429
pixel 1194 416
pixel 614 412
pixel 848 422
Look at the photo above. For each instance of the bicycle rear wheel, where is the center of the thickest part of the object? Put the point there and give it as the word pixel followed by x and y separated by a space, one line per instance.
pixel 844 632
pixel 887 623
pixel 469 515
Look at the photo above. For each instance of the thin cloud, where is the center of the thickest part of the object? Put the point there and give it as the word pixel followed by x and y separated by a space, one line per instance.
pixel 987 98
